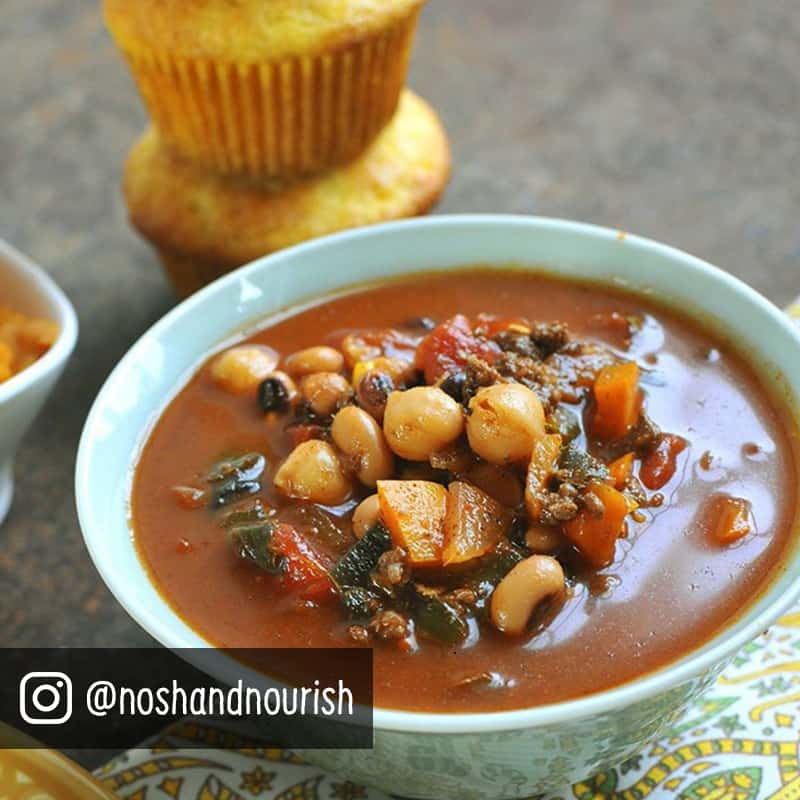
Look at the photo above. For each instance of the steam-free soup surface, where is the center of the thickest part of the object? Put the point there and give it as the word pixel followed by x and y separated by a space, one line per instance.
pixel 669 588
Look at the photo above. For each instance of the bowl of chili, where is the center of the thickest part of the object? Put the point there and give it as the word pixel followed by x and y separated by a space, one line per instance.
pixel 575 695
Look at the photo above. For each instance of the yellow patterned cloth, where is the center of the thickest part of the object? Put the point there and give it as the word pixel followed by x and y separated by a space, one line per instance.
pixel 740 742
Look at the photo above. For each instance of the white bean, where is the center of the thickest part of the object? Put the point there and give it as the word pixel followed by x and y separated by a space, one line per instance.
pixel 367 513
pixel 314 359
pixel 361 439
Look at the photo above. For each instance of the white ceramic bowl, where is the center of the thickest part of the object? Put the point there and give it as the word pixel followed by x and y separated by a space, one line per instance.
pixel 29 289
pixel 490 755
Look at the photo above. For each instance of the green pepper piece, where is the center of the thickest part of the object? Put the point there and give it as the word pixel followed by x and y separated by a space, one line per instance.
pixel 583 467
pixel 234 478
pixel 252 543
pixel 232 489
pixel 245 516
pixel 492 569
pixel 564 422
pixel 358 602
pixel 354 566
pixel 437 618
pixel 247 468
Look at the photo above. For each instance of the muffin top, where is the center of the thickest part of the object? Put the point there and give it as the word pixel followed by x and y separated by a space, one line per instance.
pixel 245 31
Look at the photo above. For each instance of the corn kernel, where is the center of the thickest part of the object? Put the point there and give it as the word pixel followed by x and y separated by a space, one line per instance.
pixel 361 369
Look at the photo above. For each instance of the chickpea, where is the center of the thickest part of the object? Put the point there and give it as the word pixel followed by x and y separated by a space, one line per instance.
pixel 505 421
pixel 325 392
pixel 367 513
pixel 530 582
pixel 313 472
pixel 314 359
pixel 360 438
pixel 242 368
pixel 543 538
pixel 373 391
pixel 421 421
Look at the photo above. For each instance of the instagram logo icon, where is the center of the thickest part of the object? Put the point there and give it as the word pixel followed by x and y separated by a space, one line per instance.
pixel 45 698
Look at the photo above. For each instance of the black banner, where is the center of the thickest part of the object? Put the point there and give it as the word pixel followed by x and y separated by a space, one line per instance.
pixel 73 698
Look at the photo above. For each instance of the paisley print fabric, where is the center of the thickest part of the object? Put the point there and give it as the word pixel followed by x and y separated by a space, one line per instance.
pixel 740 742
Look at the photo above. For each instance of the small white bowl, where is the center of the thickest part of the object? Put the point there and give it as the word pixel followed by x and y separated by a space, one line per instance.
pixel 29 289
pixel 477 756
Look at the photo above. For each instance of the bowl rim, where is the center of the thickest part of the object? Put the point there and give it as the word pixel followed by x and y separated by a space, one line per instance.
pixel 715 651
pixel 38 279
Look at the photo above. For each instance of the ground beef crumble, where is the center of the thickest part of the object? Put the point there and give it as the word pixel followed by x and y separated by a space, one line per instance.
pixel 389 624
pixel 391 572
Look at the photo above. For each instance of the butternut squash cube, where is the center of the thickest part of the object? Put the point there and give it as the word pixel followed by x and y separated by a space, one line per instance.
pixel 414 513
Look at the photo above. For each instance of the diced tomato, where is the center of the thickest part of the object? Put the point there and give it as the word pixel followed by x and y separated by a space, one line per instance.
pixel 729 519
pixel 306 570
pixel 659 465
pixel 317 590
pixel 447 347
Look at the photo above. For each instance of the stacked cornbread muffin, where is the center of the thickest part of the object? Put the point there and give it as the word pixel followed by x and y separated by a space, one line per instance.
pixel 273 121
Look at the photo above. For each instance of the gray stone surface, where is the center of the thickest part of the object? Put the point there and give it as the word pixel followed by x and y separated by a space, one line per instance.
pixel 675 120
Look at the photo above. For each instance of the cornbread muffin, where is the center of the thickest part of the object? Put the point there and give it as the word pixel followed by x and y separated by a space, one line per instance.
pixel 204 225
pixel 267 88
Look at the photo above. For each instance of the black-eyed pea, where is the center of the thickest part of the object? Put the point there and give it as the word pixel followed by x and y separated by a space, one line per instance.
pixel 366 514
pixel 314 359
pixel 313 472
pixel 372 392
pixel 325 392
pixel 359 437
pixel 421 421
pixel 529 583
pixel 504 422
pixel 242 368
pixel 277 392
pixel 397 369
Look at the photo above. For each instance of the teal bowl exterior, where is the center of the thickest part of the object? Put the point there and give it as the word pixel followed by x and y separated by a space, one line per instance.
pixel 514 763
pixel 427 755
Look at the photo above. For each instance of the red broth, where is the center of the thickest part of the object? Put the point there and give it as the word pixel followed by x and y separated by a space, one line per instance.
pixel 669 590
